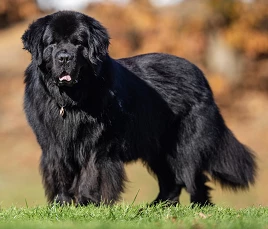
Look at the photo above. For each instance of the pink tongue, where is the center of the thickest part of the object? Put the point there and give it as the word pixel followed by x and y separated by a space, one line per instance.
pixel 67 78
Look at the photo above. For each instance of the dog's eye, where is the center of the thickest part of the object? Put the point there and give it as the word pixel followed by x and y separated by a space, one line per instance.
pixel 50 42
pixel 77 42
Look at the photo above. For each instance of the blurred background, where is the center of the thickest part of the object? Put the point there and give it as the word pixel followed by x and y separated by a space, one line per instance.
pixel 227 39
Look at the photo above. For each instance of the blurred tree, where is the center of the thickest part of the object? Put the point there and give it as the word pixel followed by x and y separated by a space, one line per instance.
pixel 142 3
pixel 249 32
pixel 224 12
pixel 15 10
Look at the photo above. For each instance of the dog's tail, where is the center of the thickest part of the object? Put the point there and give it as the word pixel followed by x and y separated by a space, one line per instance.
pixel 234 164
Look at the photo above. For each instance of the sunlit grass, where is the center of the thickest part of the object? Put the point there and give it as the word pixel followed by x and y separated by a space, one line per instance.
pixel 133 216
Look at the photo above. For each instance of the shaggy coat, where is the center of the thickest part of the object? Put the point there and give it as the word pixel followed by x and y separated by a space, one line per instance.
pixel 91 114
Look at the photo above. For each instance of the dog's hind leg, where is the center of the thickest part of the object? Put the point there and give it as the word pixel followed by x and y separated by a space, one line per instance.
pixel 169 189
pixel 195 181
pixel 200 194
pixel 168 193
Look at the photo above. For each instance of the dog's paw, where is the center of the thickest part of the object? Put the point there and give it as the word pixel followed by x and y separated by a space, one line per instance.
pixel 63 199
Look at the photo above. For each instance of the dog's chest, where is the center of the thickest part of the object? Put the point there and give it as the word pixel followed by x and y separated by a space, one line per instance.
pixel 75 126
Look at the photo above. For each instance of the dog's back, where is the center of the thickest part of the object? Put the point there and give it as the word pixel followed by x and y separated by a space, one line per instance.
pixel 203 141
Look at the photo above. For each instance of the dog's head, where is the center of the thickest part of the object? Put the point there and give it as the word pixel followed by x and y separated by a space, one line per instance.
pixel 63 44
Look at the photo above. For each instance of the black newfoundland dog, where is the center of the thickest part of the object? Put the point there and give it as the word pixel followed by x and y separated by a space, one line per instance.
pixel 91 114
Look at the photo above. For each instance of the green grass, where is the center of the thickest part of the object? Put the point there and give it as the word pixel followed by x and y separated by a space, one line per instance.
pixel 123 216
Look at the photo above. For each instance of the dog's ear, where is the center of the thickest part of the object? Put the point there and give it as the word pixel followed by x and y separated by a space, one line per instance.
pixel 32 38
pixel 98 41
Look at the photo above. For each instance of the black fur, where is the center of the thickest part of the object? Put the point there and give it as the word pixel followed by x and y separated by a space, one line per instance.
pixel 155 107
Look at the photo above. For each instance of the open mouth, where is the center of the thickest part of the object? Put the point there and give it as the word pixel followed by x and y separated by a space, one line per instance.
pixel 66 79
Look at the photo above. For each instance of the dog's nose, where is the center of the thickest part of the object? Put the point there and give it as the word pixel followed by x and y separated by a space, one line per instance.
pixel 64 57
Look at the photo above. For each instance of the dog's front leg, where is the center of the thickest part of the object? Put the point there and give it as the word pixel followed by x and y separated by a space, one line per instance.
pixel 101 181
pixel 57 179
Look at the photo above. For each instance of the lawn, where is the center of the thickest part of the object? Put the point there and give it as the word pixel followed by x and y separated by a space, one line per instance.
pixel 133 216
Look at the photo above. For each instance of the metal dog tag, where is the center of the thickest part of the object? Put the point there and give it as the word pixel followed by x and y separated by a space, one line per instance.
pixel 62 112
